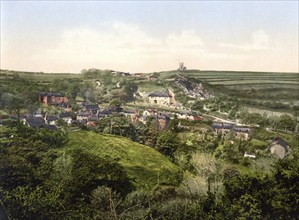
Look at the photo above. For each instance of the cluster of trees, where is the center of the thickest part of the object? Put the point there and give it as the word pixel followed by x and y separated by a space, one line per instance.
pixel 39 180
pixel 22 94
pixel 42 180
pixel 284 122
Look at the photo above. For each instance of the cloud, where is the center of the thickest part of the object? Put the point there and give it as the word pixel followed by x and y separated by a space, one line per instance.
pixel 260 41
pixel 121 46
pixel 185 40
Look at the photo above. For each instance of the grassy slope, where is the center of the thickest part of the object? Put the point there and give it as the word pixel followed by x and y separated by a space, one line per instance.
pixel 144 164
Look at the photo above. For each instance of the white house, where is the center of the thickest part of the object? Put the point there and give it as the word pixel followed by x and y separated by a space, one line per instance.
pixel 160 98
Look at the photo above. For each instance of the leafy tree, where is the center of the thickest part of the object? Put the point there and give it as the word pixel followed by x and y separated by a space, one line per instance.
pixel 116 103
pixel 130 88
pixel 197 105
pixel 286 122
pixel 167 143
pixel 13 103
pixel 119 125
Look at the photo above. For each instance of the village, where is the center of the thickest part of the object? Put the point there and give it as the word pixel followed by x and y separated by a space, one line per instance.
pixel 91 114
pixel 149 110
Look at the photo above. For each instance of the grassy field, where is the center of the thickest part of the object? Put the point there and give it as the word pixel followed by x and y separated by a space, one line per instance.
pixel 260 90
pixel 144 164
pixel 37 76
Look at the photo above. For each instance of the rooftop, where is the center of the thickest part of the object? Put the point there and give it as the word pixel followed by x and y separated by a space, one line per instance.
pixel 159 94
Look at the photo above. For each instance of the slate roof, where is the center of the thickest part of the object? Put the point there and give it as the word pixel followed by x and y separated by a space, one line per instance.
pixel 35 122
pixel 242 129
pixel 91 106
pixel 93 118
pixel 222 125
pixel 105 112
pixel 281 142
pixel 128 111
pixel 83 114
pixel 159 94
pixel 52 118
pixel 65 115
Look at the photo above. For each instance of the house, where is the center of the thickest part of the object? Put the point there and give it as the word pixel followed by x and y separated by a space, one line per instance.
pixel 189 116
pixel 160 98
pixel 65 106
pixel 83 117
pixel 152 78
pixel 37 122
pixel 105 113
pixel 38 114
pixel 125 74
pixel 222 128
pixel 150 111
pixel 279 148
pixel 92 109
pixel 132 114
pixel 34 122
pixel 242 133
pixel 51 119
pixel 239 132
pixel 67 117
pixel 52 98
pixel 91 121
pixel 162 119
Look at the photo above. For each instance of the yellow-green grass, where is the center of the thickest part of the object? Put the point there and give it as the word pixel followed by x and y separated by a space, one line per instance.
pixel 145 165
pixel 254 81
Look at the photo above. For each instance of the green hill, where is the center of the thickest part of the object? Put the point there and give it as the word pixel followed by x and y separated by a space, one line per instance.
pixel 144 164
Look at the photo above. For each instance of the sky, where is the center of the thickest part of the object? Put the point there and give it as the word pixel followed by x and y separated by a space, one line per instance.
pixel 148 36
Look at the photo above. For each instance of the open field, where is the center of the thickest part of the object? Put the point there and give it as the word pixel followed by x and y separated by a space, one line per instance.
pixel 248 82
pixel 253 89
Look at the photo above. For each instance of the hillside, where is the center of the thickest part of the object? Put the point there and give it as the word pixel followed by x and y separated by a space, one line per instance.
pixel 144 164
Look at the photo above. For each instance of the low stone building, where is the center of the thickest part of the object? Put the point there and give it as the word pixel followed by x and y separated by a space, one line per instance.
pixel 279 148
pixel 160 98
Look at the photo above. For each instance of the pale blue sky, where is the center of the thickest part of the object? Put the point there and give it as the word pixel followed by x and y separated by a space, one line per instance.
pixel 142 36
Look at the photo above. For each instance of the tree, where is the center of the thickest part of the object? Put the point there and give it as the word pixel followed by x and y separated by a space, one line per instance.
pixel 116 103
pixel 13 103
pixel 130 88
pixel 167 143
pixel 286 122
pixel 197 105
pixel 118 124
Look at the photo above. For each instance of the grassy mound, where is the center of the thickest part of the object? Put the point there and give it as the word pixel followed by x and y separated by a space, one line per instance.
pixel 145 165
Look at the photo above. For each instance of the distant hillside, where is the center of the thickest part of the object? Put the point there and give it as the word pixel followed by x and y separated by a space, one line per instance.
pixel 144 164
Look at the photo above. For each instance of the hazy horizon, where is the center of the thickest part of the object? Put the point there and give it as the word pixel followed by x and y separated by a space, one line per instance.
pixel 136 36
